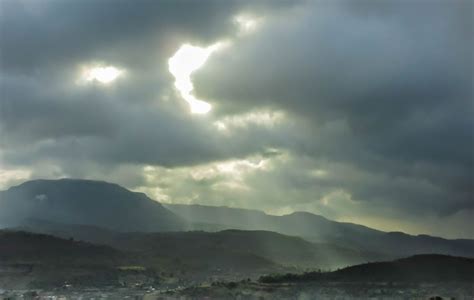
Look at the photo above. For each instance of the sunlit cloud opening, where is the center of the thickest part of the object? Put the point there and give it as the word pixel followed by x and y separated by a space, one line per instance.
pixel 182 64
pixel 262 118
pixel 9 177
pixel 101 74
pixel 230 175
pixel 319 173
pixel 190 58
pixel 185 184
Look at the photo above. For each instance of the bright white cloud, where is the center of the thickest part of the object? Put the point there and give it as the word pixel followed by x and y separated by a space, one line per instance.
pixel 182 64
pixel 101 74
pixel 190 58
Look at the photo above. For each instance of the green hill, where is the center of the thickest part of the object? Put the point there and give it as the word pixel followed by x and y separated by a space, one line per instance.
pixel 418 268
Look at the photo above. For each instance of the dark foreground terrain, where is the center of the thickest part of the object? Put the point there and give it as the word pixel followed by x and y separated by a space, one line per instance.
pixel 38 266
pixel 261 291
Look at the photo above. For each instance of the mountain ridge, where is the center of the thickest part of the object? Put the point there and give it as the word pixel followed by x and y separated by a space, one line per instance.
pixel 317 228
pixel 110 206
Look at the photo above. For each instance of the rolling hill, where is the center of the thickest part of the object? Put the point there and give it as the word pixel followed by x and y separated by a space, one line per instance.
pixel 425 268
pixel 103 210
pixel 414 269
pixel 212 249
pixel 29 260
pixel 31 248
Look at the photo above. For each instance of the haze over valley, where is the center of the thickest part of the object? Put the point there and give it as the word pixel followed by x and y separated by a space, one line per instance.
pixel 54 241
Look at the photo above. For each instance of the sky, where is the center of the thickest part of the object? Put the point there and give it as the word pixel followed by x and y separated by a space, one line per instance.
pixel 361 111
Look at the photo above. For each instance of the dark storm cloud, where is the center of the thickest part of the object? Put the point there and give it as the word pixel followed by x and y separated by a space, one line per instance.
pixel 40 34
pixel 33 110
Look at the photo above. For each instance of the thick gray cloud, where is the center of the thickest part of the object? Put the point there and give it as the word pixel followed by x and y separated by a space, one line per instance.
pixel 395 76
pixel 36 34
pixel 43 47
pixel 359 110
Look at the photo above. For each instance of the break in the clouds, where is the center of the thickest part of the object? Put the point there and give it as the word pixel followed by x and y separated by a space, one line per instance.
pixel 357 110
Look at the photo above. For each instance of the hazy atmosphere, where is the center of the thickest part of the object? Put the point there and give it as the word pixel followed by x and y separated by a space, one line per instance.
pixel 359 111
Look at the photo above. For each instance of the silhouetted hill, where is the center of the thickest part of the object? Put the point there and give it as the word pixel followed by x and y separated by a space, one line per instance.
pixel 30 260
pixel 88 202
pixel 428 267
pixel 319 229
pixel 418 268
pixel 103 210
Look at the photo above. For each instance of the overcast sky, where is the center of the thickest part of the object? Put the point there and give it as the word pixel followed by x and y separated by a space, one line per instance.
pixel 360 111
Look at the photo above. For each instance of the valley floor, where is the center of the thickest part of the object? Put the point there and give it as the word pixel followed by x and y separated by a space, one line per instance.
pixel 258 291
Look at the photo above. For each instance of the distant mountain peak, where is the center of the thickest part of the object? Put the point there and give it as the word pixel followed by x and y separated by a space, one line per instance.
pixel 87 202
pixel 306 214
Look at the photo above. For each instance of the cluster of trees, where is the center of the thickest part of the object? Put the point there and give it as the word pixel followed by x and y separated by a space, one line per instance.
pixel 291 277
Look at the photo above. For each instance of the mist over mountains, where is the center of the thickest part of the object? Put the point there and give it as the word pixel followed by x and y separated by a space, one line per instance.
pixel 319 229
pixel 93 233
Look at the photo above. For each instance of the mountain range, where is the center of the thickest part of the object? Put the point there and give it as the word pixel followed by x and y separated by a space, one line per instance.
pixel 104 213
pixel 319 229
